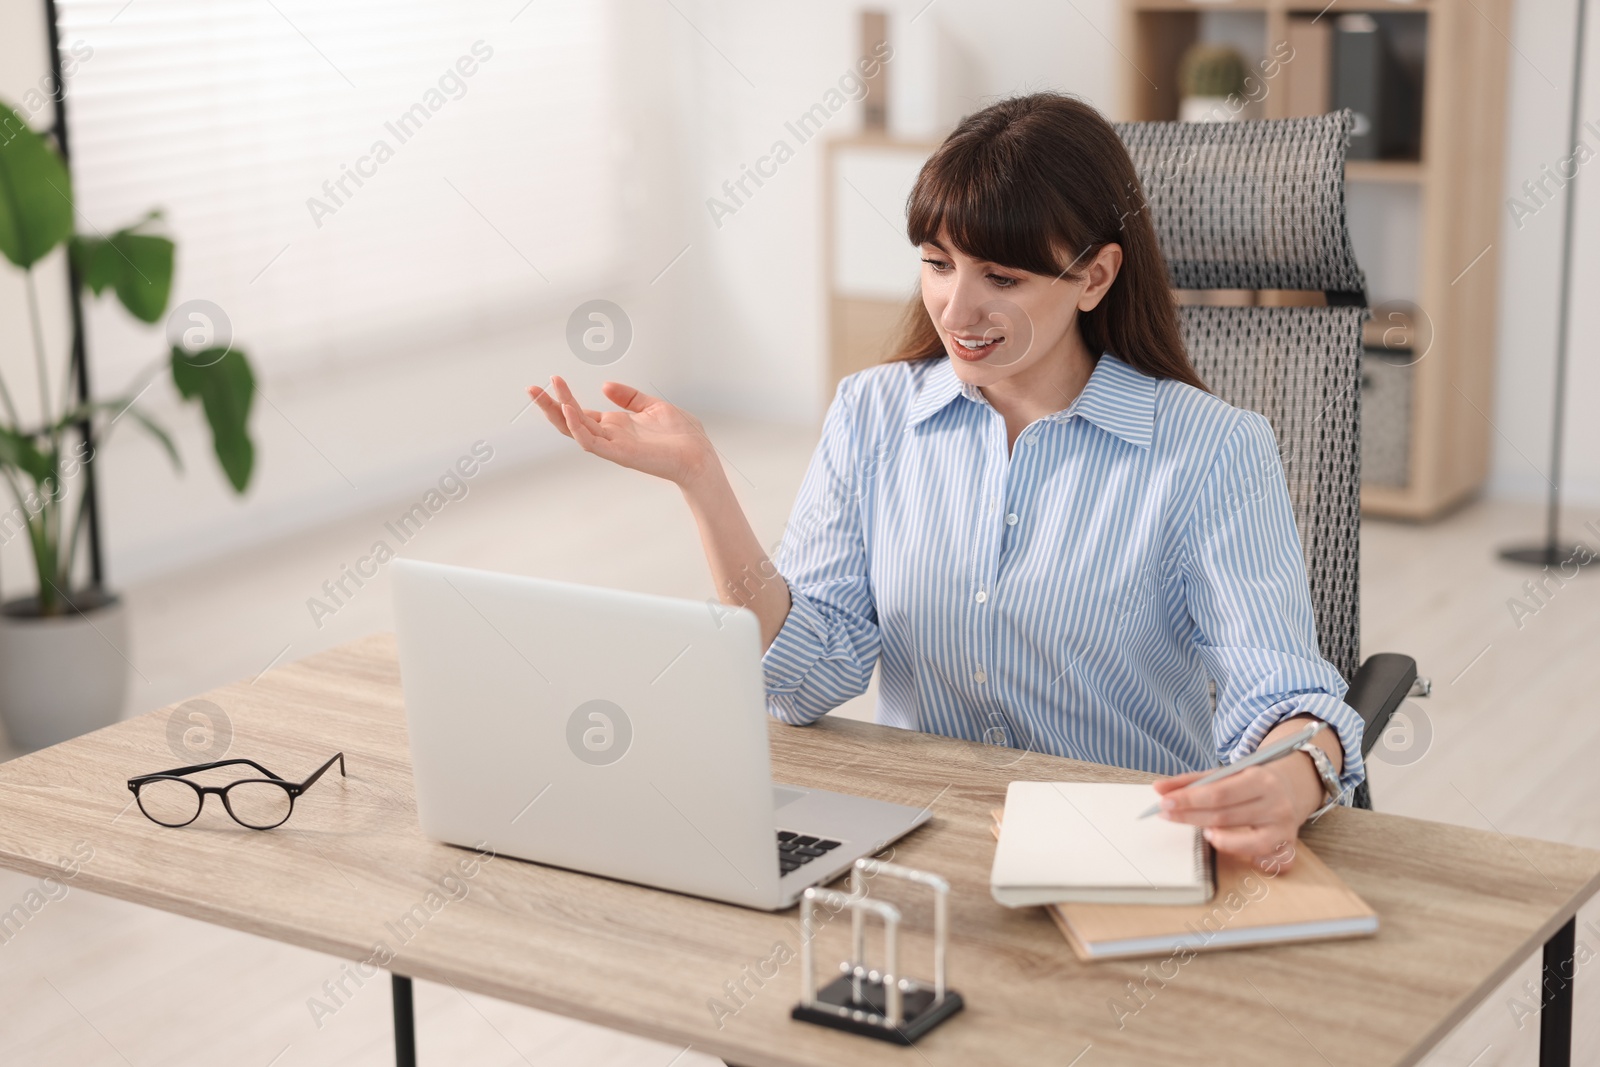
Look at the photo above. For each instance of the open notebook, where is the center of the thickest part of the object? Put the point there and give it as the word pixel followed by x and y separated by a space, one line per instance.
pixel 1084 842
pixel 1306 902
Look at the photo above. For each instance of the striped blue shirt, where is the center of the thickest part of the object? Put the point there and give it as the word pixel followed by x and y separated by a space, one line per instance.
pixel 1075 597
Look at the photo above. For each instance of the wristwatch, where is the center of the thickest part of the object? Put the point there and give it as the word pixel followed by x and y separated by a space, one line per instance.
pixel 1325 771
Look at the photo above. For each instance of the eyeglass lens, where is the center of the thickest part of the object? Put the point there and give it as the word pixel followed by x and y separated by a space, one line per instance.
pixel 169 801
pixel 259 805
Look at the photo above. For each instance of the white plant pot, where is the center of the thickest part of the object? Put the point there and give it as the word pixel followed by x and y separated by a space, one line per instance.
pixel 64 676
pixel 1212 109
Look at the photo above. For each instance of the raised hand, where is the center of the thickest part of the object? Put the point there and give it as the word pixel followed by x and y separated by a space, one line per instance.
pixel 650 435
pixel 647 434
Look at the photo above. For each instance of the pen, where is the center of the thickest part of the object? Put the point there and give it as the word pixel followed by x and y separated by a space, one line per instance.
pixel 1275 751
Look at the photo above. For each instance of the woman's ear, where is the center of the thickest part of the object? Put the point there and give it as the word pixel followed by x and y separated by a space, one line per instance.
pixel 1102 271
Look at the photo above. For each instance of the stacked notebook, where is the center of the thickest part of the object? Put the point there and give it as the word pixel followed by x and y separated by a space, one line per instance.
pixel 1119 886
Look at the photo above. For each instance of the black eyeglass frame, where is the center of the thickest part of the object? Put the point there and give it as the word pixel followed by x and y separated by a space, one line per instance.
pixel 293 789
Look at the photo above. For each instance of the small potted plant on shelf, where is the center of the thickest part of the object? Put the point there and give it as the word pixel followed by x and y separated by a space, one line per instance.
pixel 1212 79
pixel 63 663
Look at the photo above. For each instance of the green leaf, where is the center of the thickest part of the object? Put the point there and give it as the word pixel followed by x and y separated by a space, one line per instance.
pixel 96 262
pixel 18 451
pixel 225 385
pixel 146 280
pixel 35 192
pixel 137 265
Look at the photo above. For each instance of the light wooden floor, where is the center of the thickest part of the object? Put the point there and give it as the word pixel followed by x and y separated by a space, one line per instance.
pixel 1513 741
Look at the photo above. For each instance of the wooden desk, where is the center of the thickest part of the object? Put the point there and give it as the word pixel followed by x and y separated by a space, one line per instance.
pixel 1460 908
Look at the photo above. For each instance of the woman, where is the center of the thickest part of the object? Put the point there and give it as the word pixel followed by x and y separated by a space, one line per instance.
pixel 1034 517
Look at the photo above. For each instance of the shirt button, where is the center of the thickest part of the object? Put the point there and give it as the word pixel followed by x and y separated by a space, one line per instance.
pixel 982 596
pixel 1011 519
pixel 979 676
pixel 1029 440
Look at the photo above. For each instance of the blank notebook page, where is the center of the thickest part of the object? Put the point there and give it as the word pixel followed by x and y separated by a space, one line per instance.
pixel 1088 835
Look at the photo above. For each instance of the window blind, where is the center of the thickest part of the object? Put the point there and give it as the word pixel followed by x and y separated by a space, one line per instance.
pixel 346 178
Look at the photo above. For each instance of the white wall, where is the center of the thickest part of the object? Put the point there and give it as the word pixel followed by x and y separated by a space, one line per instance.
pixel 1530 266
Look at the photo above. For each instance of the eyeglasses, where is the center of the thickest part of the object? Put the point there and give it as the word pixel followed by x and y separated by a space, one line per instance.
pixel 258 803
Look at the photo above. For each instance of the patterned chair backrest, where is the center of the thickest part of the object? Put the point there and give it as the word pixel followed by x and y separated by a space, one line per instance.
pixel 1260 205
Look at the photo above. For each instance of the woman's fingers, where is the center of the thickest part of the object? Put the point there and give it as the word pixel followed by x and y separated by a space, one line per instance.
pixel 1167 785
pixel 563 392
pixel 1244 840
pixel 583 427
pixel 627 397
pixel 564 395
pixel 1247 814
pixel 550 407
pixel 591 439
pixel 1250 813
pixel 1236 789
pixel 1263 845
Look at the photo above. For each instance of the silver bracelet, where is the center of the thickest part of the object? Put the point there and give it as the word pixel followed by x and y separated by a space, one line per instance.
pixel 1330 778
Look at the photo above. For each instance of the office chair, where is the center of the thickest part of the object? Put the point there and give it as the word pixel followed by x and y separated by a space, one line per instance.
pixel 1260 206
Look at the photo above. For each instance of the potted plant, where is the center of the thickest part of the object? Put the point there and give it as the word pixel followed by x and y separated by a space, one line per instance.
pixel 1212 82
pixel 63 666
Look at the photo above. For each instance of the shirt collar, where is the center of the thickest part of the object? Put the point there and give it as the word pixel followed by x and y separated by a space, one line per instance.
pixel 940 386
pixel 1117 398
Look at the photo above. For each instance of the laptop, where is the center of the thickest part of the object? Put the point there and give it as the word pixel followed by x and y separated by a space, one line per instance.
pixel 614 733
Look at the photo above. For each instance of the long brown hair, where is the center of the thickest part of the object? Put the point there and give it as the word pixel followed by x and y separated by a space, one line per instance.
pixel 1024 179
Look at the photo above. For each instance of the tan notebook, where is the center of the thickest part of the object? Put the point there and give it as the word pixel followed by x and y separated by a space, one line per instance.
pixel 1307 902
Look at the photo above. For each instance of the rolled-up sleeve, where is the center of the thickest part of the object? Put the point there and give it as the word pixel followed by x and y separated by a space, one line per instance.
pixel 825 652
pixel 1245 587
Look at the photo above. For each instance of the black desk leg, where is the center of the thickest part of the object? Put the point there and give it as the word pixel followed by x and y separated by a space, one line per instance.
pixel 1555 1014
pixel 405 1025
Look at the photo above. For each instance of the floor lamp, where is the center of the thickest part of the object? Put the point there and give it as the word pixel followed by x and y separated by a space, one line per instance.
pixel 1551 552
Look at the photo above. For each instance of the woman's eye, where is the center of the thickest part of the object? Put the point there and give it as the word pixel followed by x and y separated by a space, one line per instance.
pixel 1002 281
pixel 938 265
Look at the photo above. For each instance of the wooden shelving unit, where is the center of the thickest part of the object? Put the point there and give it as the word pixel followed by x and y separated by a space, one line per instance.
pixel 863 319
pixel 1458 191
pixel 1383 170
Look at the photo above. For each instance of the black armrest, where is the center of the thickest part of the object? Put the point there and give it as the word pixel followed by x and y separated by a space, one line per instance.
pixel 1382 682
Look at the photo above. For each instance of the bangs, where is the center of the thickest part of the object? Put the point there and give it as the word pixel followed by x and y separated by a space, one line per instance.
pixel 980 198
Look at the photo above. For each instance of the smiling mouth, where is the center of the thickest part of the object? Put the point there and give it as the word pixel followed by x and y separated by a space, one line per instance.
pixel 975 347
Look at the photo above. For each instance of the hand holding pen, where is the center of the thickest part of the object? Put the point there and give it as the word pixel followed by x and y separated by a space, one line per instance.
pixel 1254 807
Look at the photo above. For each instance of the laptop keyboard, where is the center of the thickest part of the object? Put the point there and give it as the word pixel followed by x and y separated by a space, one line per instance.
pixel 797 850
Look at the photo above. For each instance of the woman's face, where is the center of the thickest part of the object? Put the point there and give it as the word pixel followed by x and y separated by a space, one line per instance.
pixel 997 321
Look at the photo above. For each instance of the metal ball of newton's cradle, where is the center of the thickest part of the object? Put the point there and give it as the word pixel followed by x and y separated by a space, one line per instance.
pixel 909 1008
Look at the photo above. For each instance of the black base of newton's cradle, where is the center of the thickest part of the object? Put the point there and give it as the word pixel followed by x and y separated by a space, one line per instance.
pixel 1555 1003
pixel 837 1008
